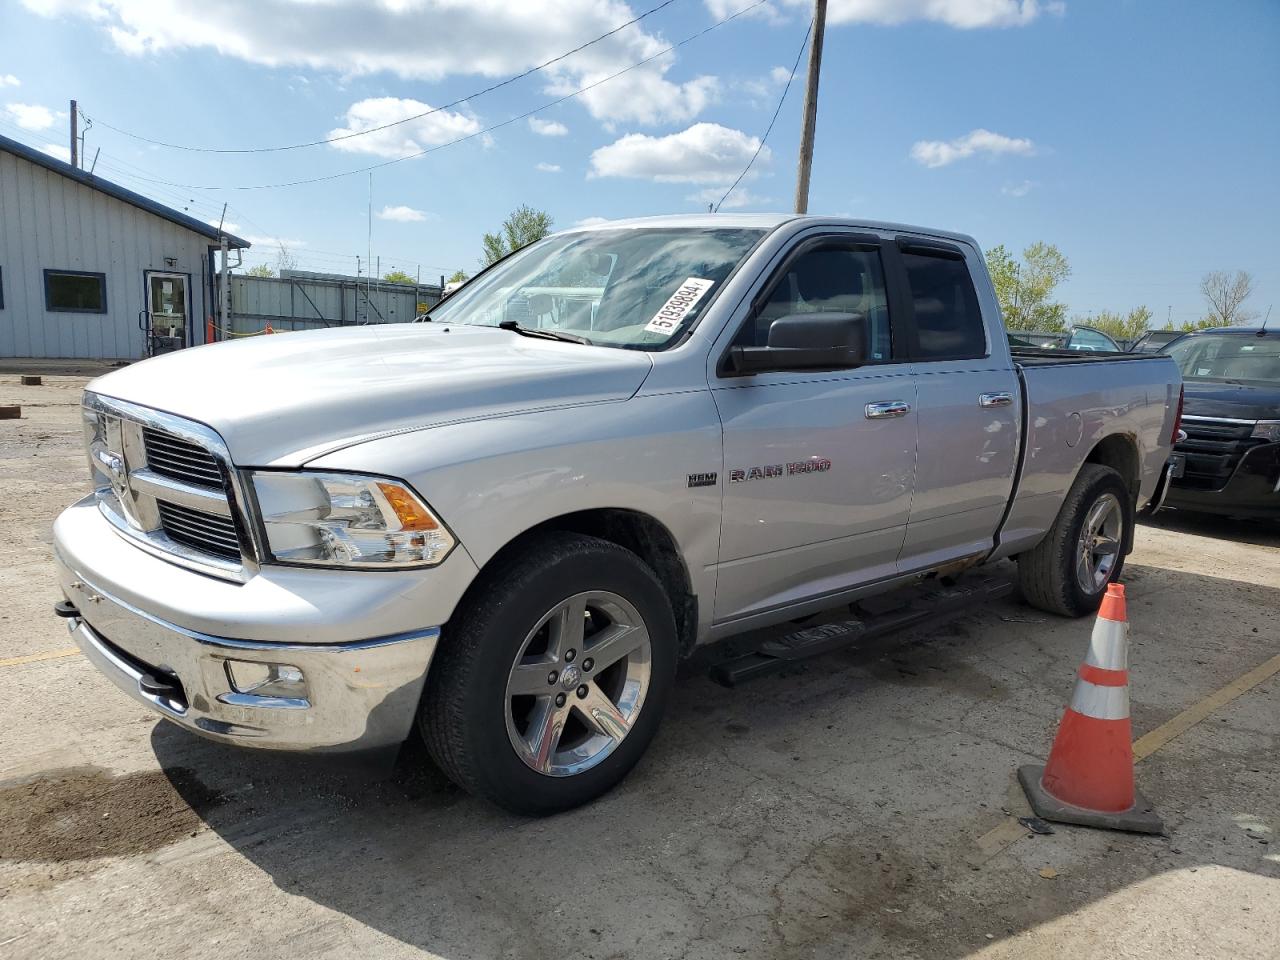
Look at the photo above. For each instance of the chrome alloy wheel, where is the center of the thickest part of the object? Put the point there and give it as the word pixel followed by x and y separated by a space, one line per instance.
pixel 578 683
pixel 1099 545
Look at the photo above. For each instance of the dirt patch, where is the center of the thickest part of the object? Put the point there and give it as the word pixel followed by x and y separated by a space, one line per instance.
pixel 82 813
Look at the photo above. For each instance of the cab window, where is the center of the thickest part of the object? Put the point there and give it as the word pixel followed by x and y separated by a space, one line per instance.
pixel 947 321
pixel 830 278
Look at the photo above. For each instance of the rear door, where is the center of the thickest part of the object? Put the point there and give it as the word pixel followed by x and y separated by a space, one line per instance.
pixel 819 465
pixel 967 395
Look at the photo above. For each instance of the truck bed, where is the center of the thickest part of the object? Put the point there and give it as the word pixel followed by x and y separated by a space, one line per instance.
pixel 1034 357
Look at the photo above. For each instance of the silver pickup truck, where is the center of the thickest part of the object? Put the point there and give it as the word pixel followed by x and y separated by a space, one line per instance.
pixel 508 525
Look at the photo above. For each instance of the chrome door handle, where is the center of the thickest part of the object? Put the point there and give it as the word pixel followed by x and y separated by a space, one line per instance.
pixel 886 409
pixel 995 399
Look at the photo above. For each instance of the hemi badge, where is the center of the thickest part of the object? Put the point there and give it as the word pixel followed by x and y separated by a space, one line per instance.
pixel 703 479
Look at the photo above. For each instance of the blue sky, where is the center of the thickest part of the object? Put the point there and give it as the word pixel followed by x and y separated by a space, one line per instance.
pixel 1141 137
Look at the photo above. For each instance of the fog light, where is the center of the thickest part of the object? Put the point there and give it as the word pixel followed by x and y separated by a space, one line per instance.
pixel 266 679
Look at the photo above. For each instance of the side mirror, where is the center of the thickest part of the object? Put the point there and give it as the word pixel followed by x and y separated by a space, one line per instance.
pixel 807 341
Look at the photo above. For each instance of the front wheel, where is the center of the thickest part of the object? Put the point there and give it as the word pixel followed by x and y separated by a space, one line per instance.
pixel 1068 571
pixel 550 681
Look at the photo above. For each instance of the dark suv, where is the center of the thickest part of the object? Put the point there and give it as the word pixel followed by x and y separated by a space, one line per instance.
pixel 1229 462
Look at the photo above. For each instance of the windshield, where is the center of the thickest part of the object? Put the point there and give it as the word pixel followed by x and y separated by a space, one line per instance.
pixel 630 288
pixel 1238 358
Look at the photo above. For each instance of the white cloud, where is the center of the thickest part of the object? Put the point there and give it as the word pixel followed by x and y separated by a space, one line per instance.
pixel 403 139
pixel 1018 189
pixel 402 214
pixel 726 8
pixel 765 89
pixel 273 242
pixel 9 80
pixel 962 14
pixel 939 153
pixel 590 221
pixel 31 116
pixel 547 128
pixel 489 38
pixel 58 151
pixel 704 153
pixel 642 96
pixel 737 200
pixel 548 167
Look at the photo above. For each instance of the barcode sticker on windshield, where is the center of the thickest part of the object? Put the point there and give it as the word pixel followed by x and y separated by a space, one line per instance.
pixel 678 305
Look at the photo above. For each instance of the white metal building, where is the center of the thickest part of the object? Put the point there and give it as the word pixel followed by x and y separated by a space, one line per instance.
pixel 91 270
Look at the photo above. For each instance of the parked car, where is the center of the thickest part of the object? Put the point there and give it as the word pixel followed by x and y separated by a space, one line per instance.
pixel 1153 341
pixel 1229 462
pixel 1077 338
pixel 509 533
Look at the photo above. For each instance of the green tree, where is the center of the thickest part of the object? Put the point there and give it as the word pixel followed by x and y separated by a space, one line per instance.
pixel 1025 288
pixel 1225 294
pixel 459 276
pixel 524 226
pixel 398 276
pixel 261 270
pixel 1119 326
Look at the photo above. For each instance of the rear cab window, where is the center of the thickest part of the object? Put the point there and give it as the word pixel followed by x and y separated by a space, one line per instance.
pixel 946 320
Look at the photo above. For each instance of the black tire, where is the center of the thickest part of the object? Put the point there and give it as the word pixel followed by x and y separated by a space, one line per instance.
pixel 1047 573
pixel 463 715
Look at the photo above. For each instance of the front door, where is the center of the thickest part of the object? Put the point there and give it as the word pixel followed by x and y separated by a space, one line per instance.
pixel 168 311
pixel 819 466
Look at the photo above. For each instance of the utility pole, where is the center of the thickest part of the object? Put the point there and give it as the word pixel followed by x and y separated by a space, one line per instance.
pixel 75 136
pixel 810 107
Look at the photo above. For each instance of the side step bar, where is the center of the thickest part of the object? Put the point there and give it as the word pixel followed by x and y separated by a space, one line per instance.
pixel 880 616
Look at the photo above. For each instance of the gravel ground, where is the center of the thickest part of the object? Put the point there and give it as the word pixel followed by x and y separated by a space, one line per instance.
pixel 858 806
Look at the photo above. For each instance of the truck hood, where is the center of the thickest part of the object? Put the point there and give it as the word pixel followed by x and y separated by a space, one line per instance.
pixel 283 400
pixel 1236 401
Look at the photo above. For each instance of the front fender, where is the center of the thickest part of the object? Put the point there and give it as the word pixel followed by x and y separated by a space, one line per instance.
pixel 492 480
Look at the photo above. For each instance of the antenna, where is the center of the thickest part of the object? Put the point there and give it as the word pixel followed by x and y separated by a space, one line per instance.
pixel 1262 331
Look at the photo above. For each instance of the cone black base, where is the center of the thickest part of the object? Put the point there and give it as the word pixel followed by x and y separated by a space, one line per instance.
pixel 1140 818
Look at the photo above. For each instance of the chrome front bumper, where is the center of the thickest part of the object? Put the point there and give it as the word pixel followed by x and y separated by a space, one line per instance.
pixel 353 694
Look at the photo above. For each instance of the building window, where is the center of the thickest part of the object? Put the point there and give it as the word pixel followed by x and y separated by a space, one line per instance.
pixel 75 291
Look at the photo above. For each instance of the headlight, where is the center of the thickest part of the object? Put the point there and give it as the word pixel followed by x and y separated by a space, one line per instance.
pixel 1267 430
pixel 344 520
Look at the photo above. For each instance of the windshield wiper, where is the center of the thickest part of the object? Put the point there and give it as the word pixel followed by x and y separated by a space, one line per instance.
pixel 539 333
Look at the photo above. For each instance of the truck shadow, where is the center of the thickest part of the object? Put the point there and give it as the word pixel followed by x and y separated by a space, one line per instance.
pixel 1260 533
pixel 832 810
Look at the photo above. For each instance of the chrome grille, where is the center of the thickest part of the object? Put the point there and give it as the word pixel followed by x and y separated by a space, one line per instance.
pixel 1213 448
pixel 202 531
pixel 180 459
pixel 167 483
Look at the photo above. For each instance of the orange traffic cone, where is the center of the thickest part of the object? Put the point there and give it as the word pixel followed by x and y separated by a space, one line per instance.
pixel 1089 777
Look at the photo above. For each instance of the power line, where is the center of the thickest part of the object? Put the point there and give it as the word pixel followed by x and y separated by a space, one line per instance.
pixel 781 100
pixel 386 126
pixel 478 133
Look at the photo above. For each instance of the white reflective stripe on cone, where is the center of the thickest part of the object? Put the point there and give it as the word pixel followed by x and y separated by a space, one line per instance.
pixel 1100 703
pixel 1109 646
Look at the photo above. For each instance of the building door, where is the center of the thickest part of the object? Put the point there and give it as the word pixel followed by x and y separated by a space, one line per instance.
pixel 168 312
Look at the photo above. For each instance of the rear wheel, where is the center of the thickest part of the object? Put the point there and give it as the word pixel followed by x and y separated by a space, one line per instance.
pixel 550 681
pixel 1068 571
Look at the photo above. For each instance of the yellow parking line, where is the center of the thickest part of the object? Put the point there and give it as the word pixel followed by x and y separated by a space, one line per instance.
pixel 1010 831
pixel 34 657
pixel 1149 743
